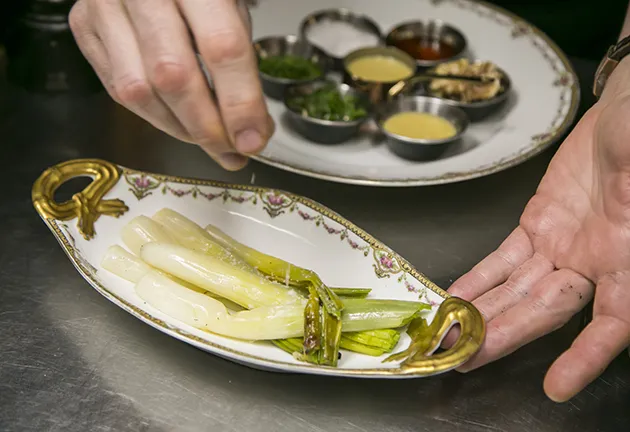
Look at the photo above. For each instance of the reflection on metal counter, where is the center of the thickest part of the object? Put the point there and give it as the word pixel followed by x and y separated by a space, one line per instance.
pixel 42 54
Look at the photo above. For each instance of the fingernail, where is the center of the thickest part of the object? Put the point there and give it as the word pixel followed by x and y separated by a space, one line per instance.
pixel 233 161
pixel 249 141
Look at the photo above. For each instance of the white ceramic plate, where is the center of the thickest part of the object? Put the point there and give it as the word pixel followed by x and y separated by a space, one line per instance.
pixel 278 223
pixel 542 106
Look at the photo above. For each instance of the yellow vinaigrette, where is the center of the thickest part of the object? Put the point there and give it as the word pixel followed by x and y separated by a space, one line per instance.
pixel 419 125
pixel 379 68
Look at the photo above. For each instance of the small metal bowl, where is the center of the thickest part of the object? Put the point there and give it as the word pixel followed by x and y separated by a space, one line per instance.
pixel 377 92
pixel 479 110
pixel 275 87
pixel 361 21
pixel 421 149
pixel 475 111
pixel 434 31
pixel 324 131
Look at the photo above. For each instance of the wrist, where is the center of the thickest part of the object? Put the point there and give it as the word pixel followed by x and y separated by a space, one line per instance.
pixel 618 84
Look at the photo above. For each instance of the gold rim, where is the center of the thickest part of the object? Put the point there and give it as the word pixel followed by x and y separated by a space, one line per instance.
pixel 452 177
pixel 452 310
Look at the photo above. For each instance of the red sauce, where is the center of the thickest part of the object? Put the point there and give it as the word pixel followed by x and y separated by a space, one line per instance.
pixel 425 49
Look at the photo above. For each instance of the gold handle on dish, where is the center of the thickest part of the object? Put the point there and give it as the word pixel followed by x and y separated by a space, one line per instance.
pixel 472 332
pixel 86 205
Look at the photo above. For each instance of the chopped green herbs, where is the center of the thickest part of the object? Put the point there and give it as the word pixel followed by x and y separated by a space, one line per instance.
pixel 327 103
pixel 289 67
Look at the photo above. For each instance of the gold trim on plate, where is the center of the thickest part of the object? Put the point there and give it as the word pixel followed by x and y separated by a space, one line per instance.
pixel 87 205
pixel 451 311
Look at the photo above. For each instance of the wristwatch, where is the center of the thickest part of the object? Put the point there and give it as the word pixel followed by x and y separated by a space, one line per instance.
pixel 608 64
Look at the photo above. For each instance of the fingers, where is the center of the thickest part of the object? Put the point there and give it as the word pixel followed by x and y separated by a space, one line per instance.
pixel 500 299
pixel 598 344
pixel 142 52
pixel 90 44
pixel 175 76
pixel 226 49
pixel 128 82
pixel 518 286
pixel 495 268
pixel 551 303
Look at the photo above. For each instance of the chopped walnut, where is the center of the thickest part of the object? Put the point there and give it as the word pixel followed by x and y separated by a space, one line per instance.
pixel 466 91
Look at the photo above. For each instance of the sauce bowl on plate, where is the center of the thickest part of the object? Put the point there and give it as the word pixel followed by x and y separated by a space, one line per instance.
pixel 321 130
pixel 288 46
pixel 421 144
pixel 476 110
pixel 337 43
pixel 430 43
pixel 376 70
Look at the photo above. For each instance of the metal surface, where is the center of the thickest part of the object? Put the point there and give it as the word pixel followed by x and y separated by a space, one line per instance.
pixel 72 361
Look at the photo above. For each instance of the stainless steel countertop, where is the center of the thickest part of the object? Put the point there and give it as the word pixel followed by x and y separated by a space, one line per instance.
pixel 72 361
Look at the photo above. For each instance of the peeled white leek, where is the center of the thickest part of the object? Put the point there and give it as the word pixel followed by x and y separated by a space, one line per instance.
pixel 263 323
pixel 131 268
pixel 194 237
pixel 206 313
pixel 141 230
pixel 124 264
pixel 220 278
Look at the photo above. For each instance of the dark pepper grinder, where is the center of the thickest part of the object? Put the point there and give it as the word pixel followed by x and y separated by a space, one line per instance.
pixel 42 54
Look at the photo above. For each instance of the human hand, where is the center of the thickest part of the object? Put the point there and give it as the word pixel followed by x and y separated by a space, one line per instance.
pixel 572 243
pixel 143 52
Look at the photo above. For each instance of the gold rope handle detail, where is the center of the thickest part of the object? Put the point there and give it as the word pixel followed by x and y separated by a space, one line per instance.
pixel 472 332
pixel 86 205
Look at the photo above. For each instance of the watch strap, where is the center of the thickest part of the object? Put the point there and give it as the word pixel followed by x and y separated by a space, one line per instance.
pixel 608 64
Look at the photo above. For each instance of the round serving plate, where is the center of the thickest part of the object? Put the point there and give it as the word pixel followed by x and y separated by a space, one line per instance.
pixel 541 106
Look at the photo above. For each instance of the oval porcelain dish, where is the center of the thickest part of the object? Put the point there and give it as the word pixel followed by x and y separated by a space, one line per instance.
pixel 277 223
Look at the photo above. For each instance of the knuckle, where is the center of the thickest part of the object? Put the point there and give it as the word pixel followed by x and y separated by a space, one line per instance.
pixel 170 76
pixel 224 48
pixel 498 334
pixel 77 18
pixel 512 287
pixel 242 103
pixel 112 93
pixel 506 256
pixel 132 92
pixel 537 304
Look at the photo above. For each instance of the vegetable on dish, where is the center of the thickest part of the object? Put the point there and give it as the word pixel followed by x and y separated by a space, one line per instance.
pixel 210 281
